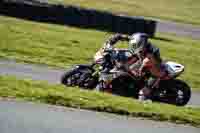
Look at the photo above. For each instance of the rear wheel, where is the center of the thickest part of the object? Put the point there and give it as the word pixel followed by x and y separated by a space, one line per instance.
pixel 175 92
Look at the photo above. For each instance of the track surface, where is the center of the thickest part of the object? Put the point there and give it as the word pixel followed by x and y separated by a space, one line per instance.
pixel 18 117
pixel 39 72
pixel 179 29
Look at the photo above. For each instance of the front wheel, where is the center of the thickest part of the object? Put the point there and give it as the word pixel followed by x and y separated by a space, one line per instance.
pixel 80 76
pixel 175 92
pixel 70 78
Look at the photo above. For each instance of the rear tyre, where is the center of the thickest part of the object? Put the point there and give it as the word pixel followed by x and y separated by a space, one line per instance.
pixel 175 92
pixel 183 93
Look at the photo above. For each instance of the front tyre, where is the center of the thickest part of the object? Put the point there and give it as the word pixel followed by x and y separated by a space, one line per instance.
pixel 80 76
pixel 70 78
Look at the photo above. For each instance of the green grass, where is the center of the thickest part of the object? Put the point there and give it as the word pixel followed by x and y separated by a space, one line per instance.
pixel 176 10
pixel 73 97
pixel 61 46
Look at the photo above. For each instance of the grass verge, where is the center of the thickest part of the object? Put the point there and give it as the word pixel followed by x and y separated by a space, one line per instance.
pixel 186 11
pixel 73 97
pixel 62 46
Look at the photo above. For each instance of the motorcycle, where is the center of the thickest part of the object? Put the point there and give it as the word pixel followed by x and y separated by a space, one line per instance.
pixel 106 71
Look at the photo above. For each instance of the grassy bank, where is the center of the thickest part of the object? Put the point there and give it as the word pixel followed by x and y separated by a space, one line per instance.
pixel 176 10
pixel 62 46
pixel 73 97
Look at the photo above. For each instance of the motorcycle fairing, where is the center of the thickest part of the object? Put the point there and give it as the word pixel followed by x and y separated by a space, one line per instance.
pixel 174 69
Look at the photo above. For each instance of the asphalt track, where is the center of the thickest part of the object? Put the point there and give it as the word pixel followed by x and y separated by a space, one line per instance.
pixel 179 29
pixel 19 117
pixel 42 72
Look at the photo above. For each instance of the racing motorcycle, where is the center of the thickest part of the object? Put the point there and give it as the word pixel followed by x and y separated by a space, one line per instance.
pixel 106 70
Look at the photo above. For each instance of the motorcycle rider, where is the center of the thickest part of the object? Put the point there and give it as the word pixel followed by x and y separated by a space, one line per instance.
pixel 147 55
pixel 113 40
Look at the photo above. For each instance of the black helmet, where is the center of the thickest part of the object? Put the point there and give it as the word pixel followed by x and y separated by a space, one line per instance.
pixel 137 42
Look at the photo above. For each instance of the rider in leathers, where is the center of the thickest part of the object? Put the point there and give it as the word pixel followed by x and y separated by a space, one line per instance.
pixel 149 56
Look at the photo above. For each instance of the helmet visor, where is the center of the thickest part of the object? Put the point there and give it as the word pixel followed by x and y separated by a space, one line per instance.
pixel 132 45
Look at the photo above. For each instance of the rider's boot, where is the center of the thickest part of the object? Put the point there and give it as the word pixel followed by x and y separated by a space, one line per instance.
pixel 144 94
